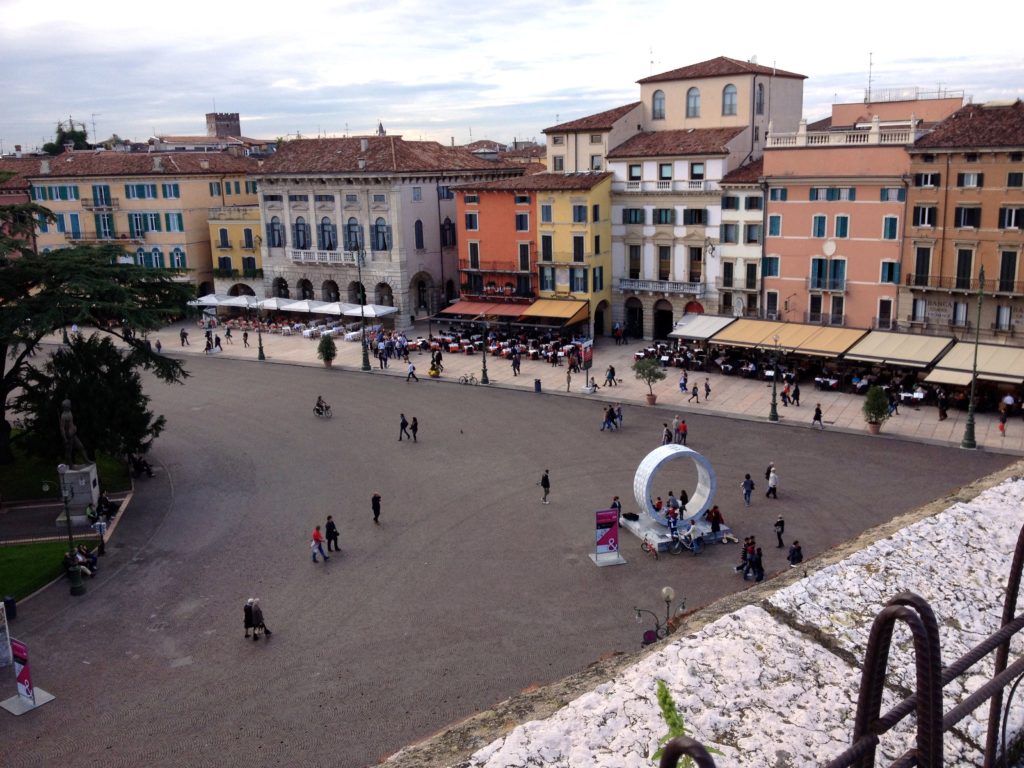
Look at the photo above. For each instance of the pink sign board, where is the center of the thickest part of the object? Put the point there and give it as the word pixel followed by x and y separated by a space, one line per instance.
pixel 607 531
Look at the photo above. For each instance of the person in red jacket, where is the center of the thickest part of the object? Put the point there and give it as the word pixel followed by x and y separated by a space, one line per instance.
pixel 317 545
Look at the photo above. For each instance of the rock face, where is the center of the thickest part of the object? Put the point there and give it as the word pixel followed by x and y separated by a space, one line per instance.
pixel 775 684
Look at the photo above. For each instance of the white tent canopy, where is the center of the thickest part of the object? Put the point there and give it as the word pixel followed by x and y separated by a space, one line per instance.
pixel 337 308
pixel 275 303
pixel 210 300
pixel 245 301
pixel 370 310
pixel 306 305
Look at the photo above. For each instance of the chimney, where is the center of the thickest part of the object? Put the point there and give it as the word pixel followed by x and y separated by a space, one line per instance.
pixel 453 141
pixel 158 163
pixel 44 167
pixel 69 146
pixel 17 150
pixel 364 144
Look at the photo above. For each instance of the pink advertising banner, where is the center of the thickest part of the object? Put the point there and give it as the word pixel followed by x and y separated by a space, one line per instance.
pixel 607 531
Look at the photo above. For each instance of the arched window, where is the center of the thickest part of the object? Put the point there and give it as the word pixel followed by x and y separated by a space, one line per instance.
pixel 658 106
pixel 275 233
pixel 353 235
pixel 729 100
pixel 141 258
pixel 447 233
pixel 759 99
pixel 326 235
pixel 693 102
pixel 301 234
pixel 158 258
pixel 381 235
pixel 418 228
pixel 178 259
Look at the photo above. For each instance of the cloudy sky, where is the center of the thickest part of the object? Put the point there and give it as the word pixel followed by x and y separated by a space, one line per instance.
pixel 468 70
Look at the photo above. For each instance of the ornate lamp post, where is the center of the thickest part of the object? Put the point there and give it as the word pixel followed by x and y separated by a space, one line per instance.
pixel 360 249
pixel 773 414
pixel 969 441
pixel 66 494
pixel 483 373
pixel 662 628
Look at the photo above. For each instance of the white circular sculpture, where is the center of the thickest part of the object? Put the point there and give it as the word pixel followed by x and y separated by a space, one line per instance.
pixel 700 498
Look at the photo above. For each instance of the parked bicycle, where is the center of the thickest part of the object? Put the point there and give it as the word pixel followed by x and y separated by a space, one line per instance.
pixel 650 547
pixel 467 378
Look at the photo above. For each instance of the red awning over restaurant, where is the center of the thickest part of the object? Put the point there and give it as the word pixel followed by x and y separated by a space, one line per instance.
pixel 472 309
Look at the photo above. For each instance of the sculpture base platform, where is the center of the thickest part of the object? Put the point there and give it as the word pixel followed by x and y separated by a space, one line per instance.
pixel 612 558
pixel 16 705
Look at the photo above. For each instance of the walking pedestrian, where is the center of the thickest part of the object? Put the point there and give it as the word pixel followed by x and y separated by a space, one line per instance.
pixel 796 554
pixel 675 428
pixel 216 343
pixel 159 347
pixel 768 470
pixel 683 431
pixel 666 434
pixel 757 565
pixel 403 428
pixel 545 483
pixel 245 338
pixel 942 402
pixel 516 363
pixel 609 419
pixel 694 395
pixel 568 378
pixel 411 374
pixel 414 428
pixel 773 484
pixel 258 624
pixel 247 611
pixel 209 346
pixel 317 545
pixel 375 506
pixel 682 382
pixel 616 505
pixel 748 488
pixel 184 338
pixel 817 417
pixel 795 396
pixel 609 377
pixel 707 388
pixel 780 528
pixel 618 415
pixel 785 395
pixel 227 335
pixel 332 535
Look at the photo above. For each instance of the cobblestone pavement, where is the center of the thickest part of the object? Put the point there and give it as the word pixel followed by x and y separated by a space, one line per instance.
pixel 470 590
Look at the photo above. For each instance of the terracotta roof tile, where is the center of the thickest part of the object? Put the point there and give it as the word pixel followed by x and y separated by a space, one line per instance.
pixel 484 144
pixel 978 125
pixel 745 174
pixel 383 154
pixel 19 169
pixel 532 168
pixel 538 150
pixel 719 67
pixel 602 121
pixel 540 182
pixel 825 124
pixel 106 163
pixel 695 141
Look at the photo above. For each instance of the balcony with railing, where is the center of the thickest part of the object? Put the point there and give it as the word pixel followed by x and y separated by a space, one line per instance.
pixel 99 204
pixel 829 284
pixel 694 186
pixel 965 284
pixel 874 135
pixel 224 245
pixel 824 318
pixel 235 213
pixel 737 284
pixel 883 323
pixel 504 267
pixel 661 286
pixel 98 238
pixel 303 256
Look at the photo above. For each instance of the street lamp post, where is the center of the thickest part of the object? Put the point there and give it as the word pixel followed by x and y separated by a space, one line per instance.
pixel 969 442
pixel 483 354
pixel 360 258
pixel 662 628
pixel 260 355
pixel 66 494
pixel 773 414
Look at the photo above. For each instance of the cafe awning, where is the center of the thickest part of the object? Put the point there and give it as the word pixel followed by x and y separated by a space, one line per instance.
pixel 569 311
pixel 745 332
pixel 996 363
pixel 903 349
pixel 792 335
pixel 699 327
pixel 474 309
pixel 830 342
pixel 956 378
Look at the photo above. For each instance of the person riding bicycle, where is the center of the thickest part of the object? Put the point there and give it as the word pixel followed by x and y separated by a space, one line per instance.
pixel 321 407
pixel 692 533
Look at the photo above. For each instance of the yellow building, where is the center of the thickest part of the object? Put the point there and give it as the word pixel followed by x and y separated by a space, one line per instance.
pixel 156 205
pixel 574 231
pixel 235 241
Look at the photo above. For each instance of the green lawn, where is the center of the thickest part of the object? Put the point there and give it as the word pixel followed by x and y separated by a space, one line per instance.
pixel 23 480
pixel 24 568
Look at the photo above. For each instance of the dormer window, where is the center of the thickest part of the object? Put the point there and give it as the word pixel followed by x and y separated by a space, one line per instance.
pixel 658 106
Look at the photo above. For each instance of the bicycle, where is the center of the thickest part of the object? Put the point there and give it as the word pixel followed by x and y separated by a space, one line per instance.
pixel 467 378
pixel 679 543
pixel 650 547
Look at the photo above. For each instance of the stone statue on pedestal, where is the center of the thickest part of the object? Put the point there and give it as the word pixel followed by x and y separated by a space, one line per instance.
pixel 69 433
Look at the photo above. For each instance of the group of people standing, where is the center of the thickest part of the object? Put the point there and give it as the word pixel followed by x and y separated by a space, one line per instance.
pixel 612 418
pixel 330 533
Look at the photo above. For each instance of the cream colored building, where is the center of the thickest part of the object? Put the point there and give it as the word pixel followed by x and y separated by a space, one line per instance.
pixel 235 239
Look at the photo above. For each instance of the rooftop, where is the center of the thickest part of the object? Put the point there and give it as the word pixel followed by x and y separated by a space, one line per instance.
pixel 382 154
pixel 996 124
pixel 719 67
pixel 745 174
pixel 14 172
pixel 541 181
pixel 602 121
pixel 693 141
pixel 107 163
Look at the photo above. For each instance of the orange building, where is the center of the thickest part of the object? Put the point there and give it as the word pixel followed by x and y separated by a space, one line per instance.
pixel 835 212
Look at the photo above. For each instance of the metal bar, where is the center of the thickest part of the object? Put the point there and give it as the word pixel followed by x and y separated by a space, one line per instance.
pixel 1009 608
pixel 684 745
pixel 983 694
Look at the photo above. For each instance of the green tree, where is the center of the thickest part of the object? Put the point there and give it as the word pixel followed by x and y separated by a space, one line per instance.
pixel 105 390
pixel 65 134
pixel 88 285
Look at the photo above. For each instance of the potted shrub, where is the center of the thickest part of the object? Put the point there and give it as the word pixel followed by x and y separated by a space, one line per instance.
pixel 649 371
pixel 876 408
pixel 327 350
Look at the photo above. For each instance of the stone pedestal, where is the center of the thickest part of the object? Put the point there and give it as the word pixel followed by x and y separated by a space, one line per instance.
pixel 82 480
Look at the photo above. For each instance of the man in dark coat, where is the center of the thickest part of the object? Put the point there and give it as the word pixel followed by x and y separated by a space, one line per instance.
pixel 248 616
pixel 332 535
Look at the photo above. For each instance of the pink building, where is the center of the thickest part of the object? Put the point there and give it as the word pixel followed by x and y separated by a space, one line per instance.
pixel 835 211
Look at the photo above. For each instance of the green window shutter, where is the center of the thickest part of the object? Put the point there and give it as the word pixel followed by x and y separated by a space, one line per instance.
pixel 813 194
pixel 853 193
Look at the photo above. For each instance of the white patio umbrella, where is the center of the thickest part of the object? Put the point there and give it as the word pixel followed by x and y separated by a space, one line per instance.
pixel 337 308
pixel 209 300
pixel 245 302
pixel 370 310
pixel 275 303
pixel 306 305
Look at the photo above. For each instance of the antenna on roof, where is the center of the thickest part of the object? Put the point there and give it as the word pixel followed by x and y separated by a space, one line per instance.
pixel 867 98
